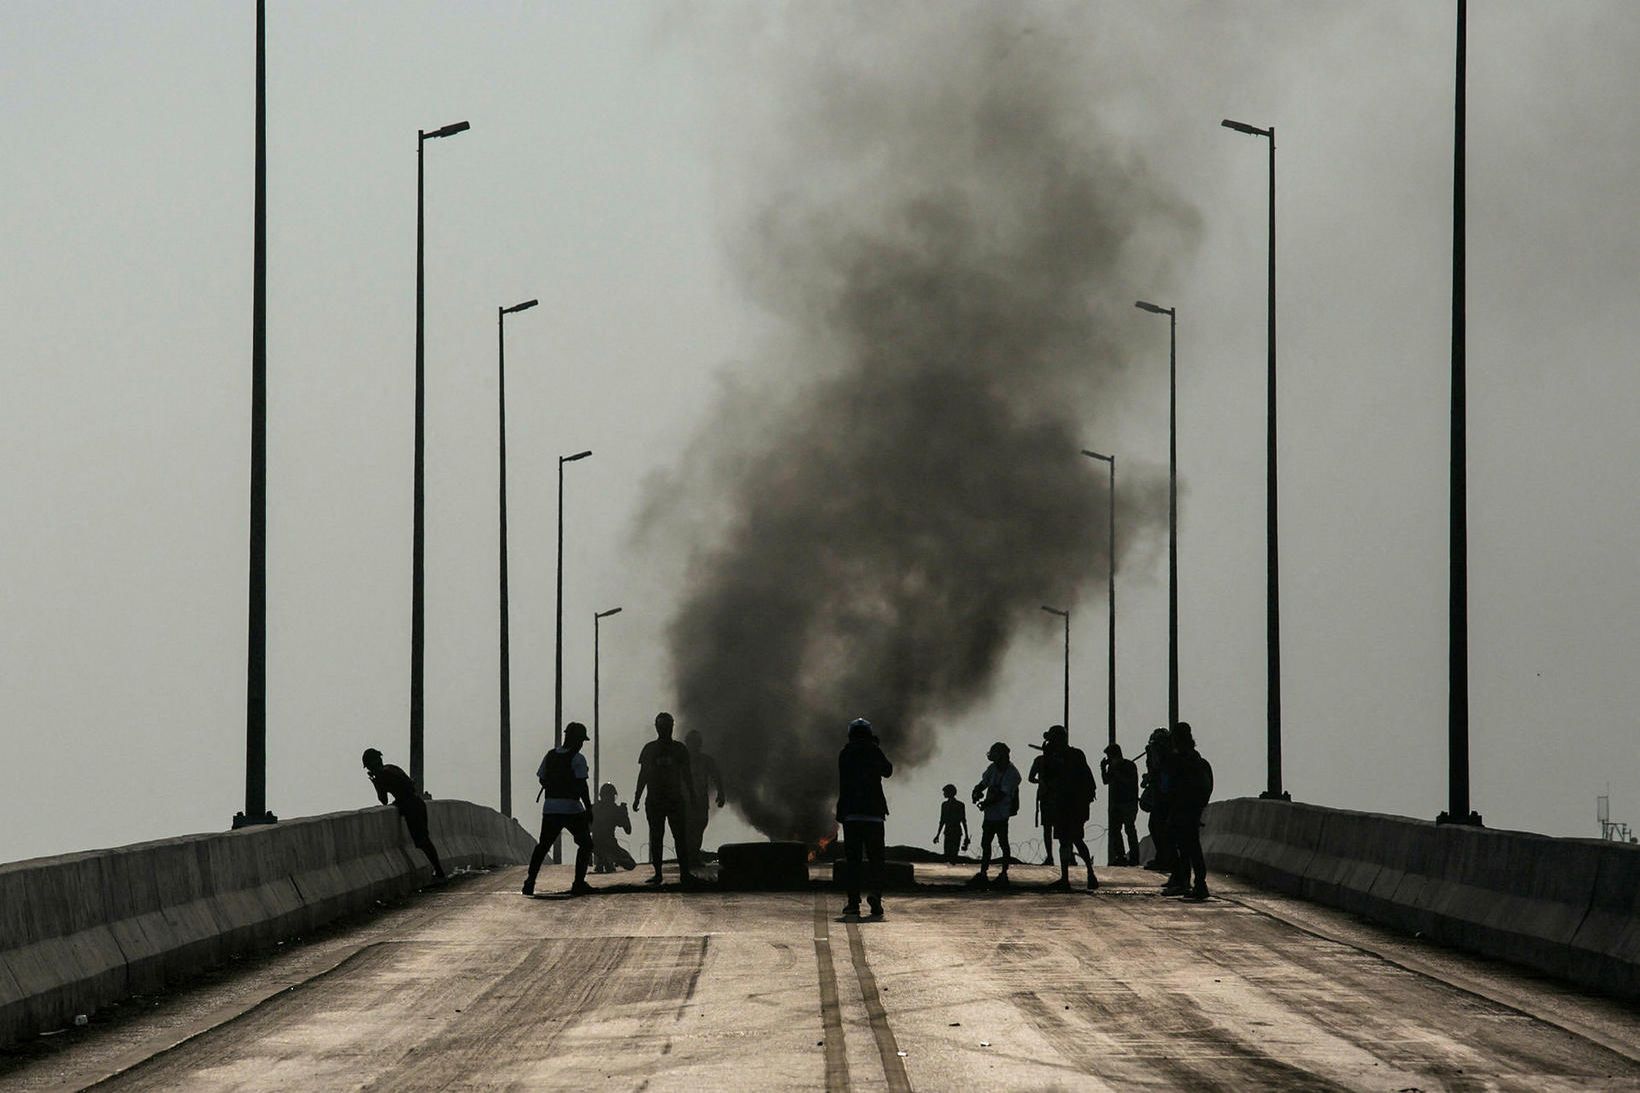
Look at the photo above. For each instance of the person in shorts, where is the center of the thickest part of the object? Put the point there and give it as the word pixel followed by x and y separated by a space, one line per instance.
pixel 953 823
pixel 566 805
pixel 997 795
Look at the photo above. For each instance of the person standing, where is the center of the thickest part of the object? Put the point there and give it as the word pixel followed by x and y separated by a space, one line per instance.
pixel 389 779
pixel 703 777
pixel 1035 778
pixel 997 795
pixel 663 769
pixel 1192 789
pixel 1153 798
pixel 862 810
pixel 953 823
pixel 1122 776
pixel 1068 793
pixel 566 805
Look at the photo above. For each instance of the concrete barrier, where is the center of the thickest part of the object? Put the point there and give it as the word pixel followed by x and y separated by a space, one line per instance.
pixel 1565 907
pixel 82 930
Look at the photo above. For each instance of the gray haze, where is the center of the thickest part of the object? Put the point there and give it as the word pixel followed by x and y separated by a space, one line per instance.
pixel 619 160
pixel 942 234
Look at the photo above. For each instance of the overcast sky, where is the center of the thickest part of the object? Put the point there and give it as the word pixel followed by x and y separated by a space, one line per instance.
pixel 611 162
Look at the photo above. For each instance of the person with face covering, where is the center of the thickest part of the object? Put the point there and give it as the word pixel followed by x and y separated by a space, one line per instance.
pixel 997 795
pixel 862 810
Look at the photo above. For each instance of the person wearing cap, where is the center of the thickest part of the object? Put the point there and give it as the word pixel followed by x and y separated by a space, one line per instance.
pixel 1122 776
pixel 389 779
pixel 997 795
pixel 566 805
pixel 862 810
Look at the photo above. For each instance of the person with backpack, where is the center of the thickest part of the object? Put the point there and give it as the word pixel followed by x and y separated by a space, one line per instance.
pixel 997 795
pixel 1192 789
pixel 566 806
pixel 1068 790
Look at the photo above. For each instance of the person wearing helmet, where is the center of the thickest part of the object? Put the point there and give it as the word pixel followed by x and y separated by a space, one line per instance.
pixel 1154 799
pixel 954 823
pixel 607 815
pixel 997 795
pixel 389 779
pixel 566 805
pixel 862 809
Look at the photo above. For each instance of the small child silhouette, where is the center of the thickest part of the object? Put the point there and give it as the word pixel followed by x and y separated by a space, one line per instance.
pixel 954 824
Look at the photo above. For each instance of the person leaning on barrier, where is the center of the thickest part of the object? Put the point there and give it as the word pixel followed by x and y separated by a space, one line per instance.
pixel 1192 789
pixel 389 779
pixel 566 805
pixel 862 809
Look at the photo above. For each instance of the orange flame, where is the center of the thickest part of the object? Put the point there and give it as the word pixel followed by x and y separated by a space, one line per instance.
pixel 825 841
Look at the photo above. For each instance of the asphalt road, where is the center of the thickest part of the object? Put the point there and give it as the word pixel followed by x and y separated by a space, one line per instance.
pixel 475 987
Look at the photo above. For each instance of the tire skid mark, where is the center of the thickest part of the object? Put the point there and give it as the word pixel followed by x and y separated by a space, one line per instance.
pixel 831 1016
pixel 888 1049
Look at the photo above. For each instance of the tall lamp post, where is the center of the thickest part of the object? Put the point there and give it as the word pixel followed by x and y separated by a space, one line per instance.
pixel 558 633
pixel 418 627
pixel 597 732
pixel 505 636
pixel 1066 615
pixel 256 670
pixel 1110 581
pixel 1172 505
pixel 1272 573
pixel 1457 712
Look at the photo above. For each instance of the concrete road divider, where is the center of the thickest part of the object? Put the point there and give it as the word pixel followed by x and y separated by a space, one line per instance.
pixel 1566 907
pixel 82 930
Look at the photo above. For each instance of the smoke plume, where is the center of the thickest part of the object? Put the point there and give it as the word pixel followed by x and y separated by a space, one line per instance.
pixel 949 250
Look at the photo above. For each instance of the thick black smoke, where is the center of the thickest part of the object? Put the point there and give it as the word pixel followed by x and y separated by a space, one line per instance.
pixel 945 240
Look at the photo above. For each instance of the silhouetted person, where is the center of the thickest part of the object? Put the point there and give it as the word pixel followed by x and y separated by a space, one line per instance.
pixel 1192 789
pixel 1035 778
pixel 703 777
pixel 607 815
pixel 663 769
pixel 389 779
pixel 566 805
pixel 953 823
pixel 1153 798
pixel 1122 776
pixel 997 795
pixel 1068 791
pixel 862 810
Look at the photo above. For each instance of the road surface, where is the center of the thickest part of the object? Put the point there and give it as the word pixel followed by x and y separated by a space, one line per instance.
pixel 474 987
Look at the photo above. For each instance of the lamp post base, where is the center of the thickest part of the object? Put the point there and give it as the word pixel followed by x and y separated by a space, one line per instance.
pixel 241 820
pixel 1471 820
pixel 1267 795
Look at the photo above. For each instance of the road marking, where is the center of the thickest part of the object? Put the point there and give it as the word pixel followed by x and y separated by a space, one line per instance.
pixel 887 1048
pixel 831 1017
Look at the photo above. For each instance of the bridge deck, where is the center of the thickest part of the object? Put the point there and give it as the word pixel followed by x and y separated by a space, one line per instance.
pixel 473 986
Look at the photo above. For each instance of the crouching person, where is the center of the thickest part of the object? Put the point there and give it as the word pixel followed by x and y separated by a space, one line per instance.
pixel 566 806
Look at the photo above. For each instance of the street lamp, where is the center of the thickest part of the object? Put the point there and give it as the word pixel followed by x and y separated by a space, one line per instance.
pixel 256 645
pixel 505 636
pixel 1172 505
pixel 558 635
pixel 1066 615
pixel 418 625
pixel 1272 575
pixel 1110 580
pixel 597 733
pixel 1457 711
